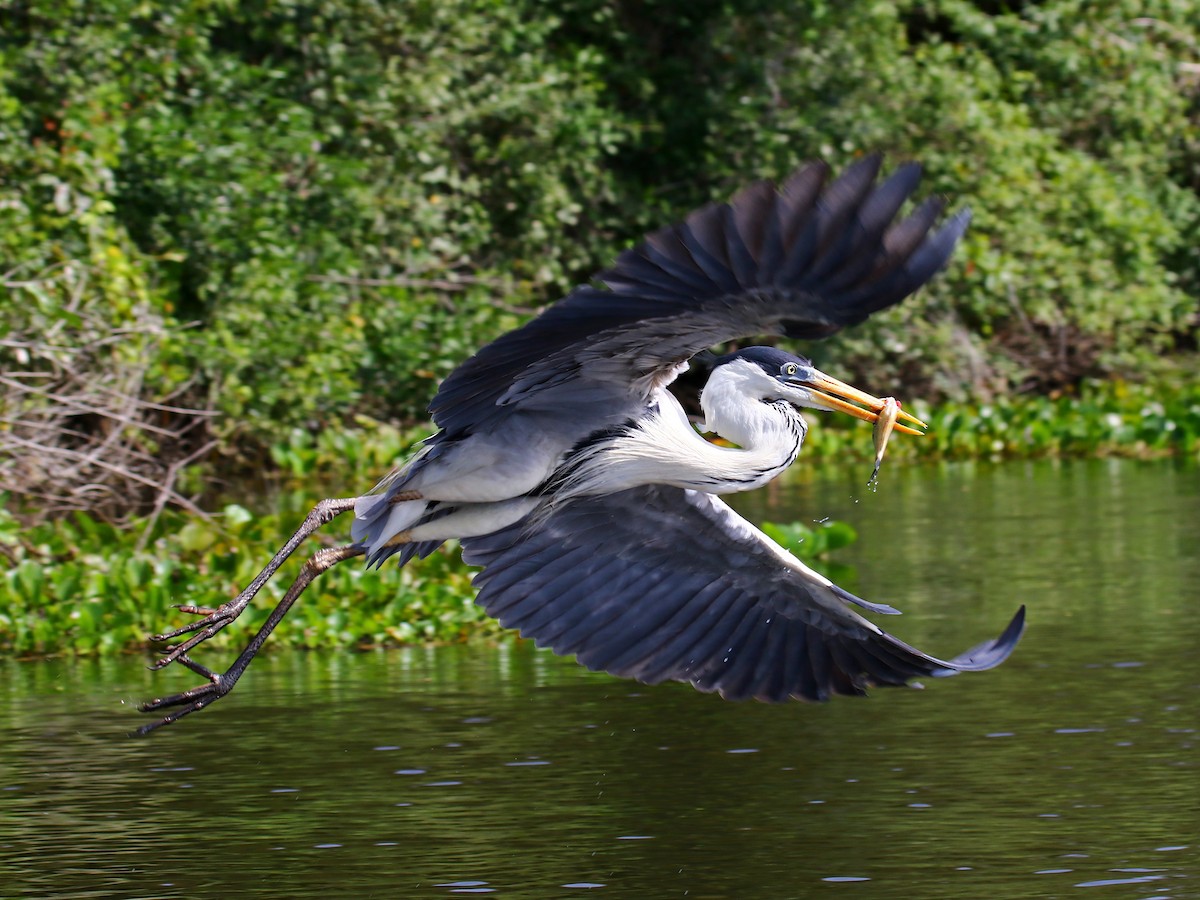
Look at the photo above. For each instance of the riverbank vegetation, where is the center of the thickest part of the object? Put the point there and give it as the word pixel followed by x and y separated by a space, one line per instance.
pixel 241 243
pixel 80 585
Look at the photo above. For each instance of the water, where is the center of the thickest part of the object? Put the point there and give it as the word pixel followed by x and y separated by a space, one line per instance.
pixel 1070 771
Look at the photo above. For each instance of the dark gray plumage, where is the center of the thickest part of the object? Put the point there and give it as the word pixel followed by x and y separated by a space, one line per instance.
pixel 728 615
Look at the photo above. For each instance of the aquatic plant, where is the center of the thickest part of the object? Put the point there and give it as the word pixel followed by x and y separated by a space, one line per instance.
pixel 80 585
pixel 83 586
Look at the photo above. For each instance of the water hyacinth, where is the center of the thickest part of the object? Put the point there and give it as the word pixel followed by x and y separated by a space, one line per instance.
pixel 83 586
pixel 87 587
pixel 1102 419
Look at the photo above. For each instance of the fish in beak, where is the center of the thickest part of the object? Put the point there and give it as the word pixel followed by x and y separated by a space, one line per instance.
pixel 885 412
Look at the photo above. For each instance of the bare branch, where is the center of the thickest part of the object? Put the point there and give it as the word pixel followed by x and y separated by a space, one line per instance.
pixel 80 426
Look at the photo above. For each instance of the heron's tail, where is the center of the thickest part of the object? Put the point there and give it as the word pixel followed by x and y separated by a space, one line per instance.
pixel 382 523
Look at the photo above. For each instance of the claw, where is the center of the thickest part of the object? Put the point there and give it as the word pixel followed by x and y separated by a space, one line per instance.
pixel 201 630
pixel 202 671
pixel 177 652
pixel 216 618
pixel 191 701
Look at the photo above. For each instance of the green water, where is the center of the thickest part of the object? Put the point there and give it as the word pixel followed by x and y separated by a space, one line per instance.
pixel 1073 770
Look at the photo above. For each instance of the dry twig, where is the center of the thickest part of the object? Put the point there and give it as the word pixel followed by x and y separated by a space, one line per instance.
pixel 80 428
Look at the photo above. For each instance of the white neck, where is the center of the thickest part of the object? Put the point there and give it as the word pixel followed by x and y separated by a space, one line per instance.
pixel 730 411
pixel 664 448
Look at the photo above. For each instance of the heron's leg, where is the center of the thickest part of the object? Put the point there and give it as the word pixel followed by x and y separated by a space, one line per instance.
pixel 221 683
pixel 215 619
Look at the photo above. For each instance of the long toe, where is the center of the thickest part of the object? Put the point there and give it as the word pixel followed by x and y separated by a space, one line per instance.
pixel 198 610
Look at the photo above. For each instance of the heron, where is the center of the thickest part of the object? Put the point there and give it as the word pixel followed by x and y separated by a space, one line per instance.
pixel 568 470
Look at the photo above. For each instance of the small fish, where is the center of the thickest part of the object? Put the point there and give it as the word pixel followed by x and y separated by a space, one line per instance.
pixel 883 430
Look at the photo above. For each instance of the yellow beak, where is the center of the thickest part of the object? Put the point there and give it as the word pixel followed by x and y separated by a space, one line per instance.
pixel 834 395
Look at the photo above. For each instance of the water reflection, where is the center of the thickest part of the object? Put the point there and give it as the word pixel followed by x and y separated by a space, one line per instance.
pixel 504 770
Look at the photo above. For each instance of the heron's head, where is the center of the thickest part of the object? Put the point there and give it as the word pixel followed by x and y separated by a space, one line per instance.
pixel 769 375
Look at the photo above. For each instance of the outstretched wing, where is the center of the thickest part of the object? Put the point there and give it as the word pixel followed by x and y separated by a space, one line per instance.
pixel 804 261
pixel 658 583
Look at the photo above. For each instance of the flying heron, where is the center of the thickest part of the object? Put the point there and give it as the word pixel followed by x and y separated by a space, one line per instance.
pixel 569 471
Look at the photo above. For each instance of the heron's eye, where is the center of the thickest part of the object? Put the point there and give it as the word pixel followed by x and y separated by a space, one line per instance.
pixel 790 369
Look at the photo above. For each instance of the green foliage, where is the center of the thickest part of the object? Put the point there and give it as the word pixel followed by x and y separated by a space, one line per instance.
pixel 79 585
pixel 815 543
pixel 83 586
pixel 1065 128
pixel 336 192
pixel 88 587
pixel 323 205
pixel 808 542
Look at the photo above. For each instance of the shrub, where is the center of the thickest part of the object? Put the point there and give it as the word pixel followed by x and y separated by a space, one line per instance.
pixel 299 212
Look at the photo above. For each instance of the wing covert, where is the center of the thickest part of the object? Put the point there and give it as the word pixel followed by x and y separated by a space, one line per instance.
pixel 658 583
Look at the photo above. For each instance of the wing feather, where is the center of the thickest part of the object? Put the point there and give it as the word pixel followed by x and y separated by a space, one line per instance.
pixel 753 211
pixel 738 681
pixel 687 590
pixel 804 261
pixel 827 240
pixel 610 640
pixel 641 656
pixel 668 250
pixel 673 656
pixel 797 200
pixel 870 223
pixel 702 233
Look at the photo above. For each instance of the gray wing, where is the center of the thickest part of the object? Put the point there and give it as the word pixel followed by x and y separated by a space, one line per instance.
pixel 658 583
pixel 803 261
